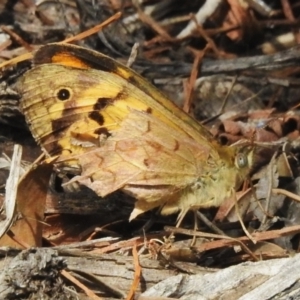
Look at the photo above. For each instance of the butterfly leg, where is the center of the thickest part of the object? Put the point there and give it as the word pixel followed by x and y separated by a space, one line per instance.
pixel 179 221
pixel 181 217
pixel 193 242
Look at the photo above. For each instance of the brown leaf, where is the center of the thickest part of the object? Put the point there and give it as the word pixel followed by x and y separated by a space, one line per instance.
pixel 31 197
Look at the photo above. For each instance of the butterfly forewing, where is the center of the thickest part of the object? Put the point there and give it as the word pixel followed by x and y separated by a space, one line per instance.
pixel 101 91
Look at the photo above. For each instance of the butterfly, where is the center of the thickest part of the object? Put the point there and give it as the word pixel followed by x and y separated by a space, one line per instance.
pixel 104 118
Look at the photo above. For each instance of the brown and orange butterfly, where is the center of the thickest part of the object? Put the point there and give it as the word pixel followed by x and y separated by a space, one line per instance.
pixel 103 117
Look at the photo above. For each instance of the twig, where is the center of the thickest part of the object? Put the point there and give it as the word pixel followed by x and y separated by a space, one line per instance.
pixel 11 189
pixel 241 221
pixel 137 274
pixel 88 292
pixel 205 11
pixel 191 83
pixel 93 30
pixel 224 239
pixel 286 193
pixel 133 55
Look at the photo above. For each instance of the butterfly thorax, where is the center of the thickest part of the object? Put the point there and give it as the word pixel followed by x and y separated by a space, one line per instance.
pixel 209 189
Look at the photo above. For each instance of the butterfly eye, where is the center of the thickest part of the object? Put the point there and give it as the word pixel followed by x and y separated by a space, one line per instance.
pixel 63 94
pixel 241 160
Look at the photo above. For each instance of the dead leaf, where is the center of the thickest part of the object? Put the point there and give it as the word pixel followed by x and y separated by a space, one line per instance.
pixel 31 197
